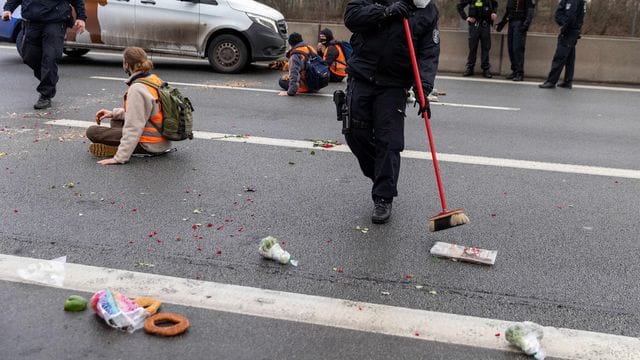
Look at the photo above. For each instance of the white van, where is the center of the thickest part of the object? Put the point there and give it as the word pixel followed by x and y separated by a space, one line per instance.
pixel 230 33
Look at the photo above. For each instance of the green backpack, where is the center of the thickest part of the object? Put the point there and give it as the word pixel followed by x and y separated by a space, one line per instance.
pixel 177 110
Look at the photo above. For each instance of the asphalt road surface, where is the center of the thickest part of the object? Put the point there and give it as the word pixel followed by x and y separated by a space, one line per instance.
pixel 549 178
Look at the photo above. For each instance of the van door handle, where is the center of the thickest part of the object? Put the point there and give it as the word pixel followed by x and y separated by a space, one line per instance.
pixel 123 0
pixel 148 2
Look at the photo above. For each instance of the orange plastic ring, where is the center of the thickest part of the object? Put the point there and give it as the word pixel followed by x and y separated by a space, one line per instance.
pixel 180 324
pixel 150 304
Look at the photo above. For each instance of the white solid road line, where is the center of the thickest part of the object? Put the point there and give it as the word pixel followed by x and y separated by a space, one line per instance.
pixel 240 88
pixel 442 77
pixel 409 154
pixel 345 314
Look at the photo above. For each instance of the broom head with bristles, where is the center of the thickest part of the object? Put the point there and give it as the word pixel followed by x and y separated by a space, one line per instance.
pixel 448 219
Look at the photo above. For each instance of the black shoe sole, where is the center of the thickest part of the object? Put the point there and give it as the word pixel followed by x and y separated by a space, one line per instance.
pixel 380 221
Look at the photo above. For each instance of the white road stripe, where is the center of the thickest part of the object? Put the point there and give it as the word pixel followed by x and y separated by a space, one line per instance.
pixel 536 83
pixel 442 77
pixel 240 88
pixel 337 313
pixel 409 154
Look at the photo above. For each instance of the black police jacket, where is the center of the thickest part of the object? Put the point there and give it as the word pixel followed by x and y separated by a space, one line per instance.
pixel 478 9
pixel 380 51
pixel 570 15
pixel 47 11
pixel 521 10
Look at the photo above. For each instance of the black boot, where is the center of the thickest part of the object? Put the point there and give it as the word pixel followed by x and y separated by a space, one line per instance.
pixel 381 211
pixel 487 74
pixel 518 77
pixel 547 85
pixel 468 72
pixel 42 103
pixel 511 76
pixel 566 85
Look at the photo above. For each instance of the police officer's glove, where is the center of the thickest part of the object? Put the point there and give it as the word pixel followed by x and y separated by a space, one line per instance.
pixel 525 26
pixel 400 8
pixel 426 108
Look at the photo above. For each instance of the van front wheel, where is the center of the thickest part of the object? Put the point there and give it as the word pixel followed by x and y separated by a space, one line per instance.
pixel 228 54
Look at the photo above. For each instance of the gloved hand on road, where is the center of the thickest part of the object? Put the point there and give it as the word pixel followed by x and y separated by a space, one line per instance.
pixel 402 8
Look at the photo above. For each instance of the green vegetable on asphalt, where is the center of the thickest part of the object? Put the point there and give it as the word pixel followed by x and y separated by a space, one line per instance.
pixel 75 303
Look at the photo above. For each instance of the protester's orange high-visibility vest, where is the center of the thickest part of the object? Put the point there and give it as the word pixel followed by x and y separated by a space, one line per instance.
pixel 304 51
pixel 151 134
pixel 339 67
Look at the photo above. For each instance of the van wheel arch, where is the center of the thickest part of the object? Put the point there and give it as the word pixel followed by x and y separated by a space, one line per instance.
pixel 228 51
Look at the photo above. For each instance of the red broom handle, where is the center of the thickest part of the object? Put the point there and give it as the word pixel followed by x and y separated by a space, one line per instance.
pixel 416 74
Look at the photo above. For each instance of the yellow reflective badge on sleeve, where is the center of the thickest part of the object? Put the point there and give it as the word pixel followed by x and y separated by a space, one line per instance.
pixel 479 3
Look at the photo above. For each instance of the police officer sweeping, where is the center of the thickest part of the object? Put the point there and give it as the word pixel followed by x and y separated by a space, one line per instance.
pixel 482 14
pixel 569 16
pixel 519 16
pixel 380 72
pixel 45 24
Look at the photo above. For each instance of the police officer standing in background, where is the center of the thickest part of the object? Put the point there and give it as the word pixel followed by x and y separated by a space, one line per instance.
pixel 45 24
pixel 380 72
pixel 519 15
pixel 570 16
pixel 482 14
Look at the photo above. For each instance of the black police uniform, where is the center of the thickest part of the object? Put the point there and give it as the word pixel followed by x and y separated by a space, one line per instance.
pixel 480 31
pixel 380 73
pixel 44 27
pixel 570 17
pixel 519 14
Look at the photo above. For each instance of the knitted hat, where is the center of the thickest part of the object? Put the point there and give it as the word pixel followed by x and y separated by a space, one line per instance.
pixel 295 38
pixel 327 33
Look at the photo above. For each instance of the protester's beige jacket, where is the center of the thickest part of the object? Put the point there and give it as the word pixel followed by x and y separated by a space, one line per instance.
pixel 141 106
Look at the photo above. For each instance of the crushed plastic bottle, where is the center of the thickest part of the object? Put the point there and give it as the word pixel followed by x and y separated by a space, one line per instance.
pixel 270 248
pixel 526 336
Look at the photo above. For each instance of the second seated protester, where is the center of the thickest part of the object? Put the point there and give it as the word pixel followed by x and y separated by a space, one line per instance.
pixel 135 128
pixel 295 82
pixel 333 54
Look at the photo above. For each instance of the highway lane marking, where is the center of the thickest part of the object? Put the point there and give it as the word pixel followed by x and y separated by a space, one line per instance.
pixel 240 88
pixel 575 86
pixel 409 154
pixel 442 77
pixel 331 312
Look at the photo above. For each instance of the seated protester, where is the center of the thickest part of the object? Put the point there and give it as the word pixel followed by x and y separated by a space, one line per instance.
pixel 134 128
pixel 333 55
pixel 295 82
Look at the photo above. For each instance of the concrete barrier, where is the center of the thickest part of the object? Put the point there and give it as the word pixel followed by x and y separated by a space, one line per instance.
pixel 598 59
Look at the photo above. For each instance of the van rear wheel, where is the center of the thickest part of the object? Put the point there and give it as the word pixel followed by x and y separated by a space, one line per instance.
pixel 228 54
pixel 75 52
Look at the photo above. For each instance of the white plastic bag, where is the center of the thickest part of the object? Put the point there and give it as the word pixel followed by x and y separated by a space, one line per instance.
pixel 49 272
pixel 271 249
pixel 526 336
pixel 118 311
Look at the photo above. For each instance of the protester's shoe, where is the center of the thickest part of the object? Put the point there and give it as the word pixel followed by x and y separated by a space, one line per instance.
pixel 381 211
pixel 42 103
pixel 102 150
pixel 547 85
pixel 468 72
pixel 518 77
pixel 511 76
pixel 566 85
pixel 487 74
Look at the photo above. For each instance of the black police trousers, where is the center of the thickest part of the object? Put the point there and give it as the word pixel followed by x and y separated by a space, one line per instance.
pixel 41 49
pixel 516 41
pixel 480 32
pixel 565 57
pixel 377 133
